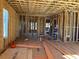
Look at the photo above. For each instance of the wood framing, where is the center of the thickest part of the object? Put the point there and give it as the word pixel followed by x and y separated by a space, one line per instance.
pixel 43 7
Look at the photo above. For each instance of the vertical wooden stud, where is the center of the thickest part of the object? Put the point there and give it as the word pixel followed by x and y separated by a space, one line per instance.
pixel 74 27
pixel 71 25
pixel 77 27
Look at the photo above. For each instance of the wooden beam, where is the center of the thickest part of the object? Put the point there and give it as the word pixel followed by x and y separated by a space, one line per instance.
pixel 49 4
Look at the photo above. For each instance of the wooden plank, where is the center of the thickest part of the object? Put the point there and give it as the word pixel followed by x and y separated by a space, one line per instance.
pixel 77 27
pixel 48 52
pixel 72 47
pixel 61 26
pixel 9 53
pixel 22 53
pixel 55 52
pixel 39 54
pixel 66 53
pixel 71 25
pixel 27 46
pixel 16 53
pixel 74 27
pixel 30 54
pixel 45 7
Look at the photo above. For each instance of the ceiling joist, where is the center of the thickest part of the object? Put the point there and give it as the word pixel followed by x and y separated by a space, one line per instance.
pixel 46 7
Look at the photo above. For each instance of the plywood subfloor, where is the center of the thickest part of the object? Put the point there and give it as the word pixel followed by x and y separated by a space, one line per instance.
pixel 58 49
pixel 28 43
pixel 64 50
pixel 23 53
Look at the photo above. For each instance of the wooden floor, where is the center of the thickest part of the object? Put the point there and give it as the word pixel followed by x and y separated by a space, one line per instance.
pixel 23 53
pixel 62 50
pixel 29 43
pixel 48 50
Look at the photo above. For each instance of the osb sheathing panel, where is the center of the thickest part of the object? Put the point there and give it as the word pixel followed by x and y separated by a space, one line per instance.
pixel 13 23
pixel 1 25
